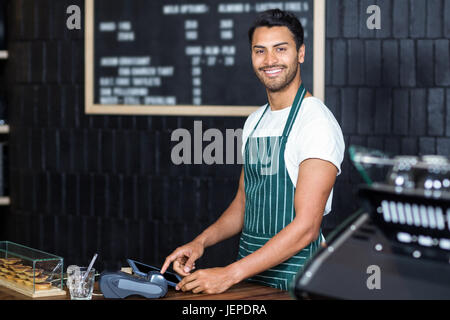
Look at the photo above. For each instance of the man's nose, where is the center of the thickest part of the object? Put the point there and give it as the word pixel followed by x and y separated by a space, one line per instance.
pixel 271 59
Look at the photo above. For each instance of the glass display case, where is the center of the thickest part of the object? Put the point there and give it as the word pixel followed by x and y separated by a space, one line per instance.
pixel 32 272
pixel 428 175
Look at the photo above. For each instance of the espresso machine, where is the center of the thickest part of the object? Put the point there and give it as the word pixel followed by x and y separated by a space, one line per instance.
pixel 397 246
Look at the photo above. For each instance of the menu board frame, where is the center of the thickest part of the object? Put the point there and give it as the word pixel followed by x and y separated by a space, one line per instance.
pixel 319 25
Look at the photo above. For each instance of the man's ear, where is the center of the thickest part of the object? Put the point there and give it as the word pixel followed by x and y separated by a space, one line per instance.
pixel 301 54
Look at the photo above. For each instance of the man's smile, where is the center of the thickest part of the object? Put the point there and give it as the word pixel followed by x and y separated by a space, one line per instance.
pixel 272 71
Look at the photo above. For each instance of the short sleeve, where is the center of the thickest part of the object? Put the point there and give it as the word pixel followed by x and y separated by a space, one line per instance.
pixel 322 139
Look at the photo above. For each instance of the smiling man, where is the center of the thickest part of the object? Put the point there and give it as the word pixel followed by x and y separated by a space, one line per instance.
pixel 292 149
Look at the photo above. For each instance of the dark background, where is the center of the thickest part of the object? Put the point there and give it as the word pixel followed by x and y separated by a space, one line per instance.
pixel 82 184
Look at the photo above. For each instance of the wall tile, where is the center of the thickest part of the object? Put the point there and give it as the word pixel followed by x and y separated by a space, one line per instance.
pixel 446 19
pixel 383 111
pixel 442 62
pixel 365 111
pixel 373 65
pixel 356 62
pixel 407 63
pixel 418 11
pixel 425 63
pixel 400 111
pixel 447 121
pixel 427 146
pixel 350 18
pixel 348 110
pixel 418 112
pixel 434 18
pixel 443 146
pixel 339 72
pixel 400 25
pixel 436 112
pixel 391 63
pixel 334 25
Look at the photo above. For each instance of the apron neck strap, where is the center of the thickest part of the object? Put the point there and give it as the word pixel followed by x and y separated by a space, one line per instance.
pixel 301 92
pixel 292 114
pixel 262 116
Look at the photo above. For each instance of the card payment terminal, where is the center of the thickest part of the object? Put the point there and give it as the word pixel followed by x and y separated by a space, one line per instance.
pixel 145 281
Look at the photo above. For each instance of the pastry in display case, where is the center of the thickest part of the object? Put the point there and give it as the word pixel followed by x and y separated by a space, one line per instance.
pixel 32 272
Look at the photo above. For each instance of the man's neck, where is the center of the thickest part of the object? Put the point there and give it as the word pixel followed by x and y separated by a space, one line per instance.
pixel 282 99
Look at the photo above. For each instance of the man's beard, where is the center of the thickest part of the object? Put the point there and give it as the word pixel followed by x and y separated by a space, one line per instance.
pixel 278 84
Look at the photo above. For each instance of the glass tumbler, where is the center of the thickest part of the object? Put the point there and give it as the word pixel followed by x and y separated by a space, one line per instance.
pixel 80 284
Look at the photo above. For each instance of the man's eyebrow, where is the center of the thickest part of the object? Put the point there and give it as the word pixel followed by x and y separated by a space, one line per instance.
pixel 275 45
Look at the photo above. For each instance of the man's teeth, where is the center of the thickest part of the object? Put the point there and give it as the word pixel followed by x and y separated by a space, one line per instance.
pixel 272 71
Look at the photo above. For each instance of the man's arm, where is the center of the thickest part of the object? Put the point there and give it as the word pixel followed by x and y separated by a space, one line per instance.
pixel 315 180
pixel 229 224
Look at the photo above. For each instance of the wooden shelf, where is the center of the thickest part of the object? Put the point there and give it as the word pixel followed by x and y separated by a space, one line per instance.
pixel 4 201
pixel 3 54
pixel 4 128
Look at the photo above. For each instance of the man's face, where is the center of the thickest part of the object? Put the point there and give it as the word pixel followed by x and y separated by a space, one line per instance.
pixel 275 57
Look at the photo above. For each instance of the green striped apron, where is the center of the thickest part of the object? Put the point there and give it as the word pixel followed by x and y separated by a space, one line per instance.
pixel 269 200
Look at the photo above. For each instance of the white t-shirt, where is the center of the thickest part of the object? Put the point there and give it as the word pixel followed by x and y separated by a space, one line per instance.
pixel 315 134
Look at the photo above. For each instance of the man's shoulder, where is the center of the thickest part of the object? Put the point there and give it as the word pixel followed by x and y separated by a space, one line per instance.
pixel 315 106
pixel 313 109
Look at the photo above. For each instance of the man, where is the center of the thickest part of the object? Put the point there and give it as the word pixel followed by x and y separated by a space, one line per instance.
pixel 292 150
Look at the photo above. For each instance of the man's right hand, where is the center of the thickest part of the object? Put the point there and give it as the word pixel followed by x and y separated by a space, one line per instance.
pixel 184 258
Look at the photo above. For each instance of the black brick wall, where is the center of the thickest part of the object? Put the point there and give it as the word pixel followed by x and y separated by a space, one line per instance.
pixel 83 184
pixel 388 88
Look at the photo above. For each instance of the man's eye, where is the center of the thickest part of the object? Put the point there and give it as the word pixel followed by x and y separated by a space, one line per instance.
pixel 281 49
pixel 259 51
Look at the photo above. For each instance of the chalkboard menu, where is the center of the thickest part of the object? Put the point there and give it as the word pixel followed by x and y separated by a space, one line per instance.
pixel 185 57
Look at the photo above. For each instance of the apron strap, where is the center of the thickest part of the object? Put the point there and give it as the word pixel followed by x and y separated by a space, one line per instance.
pixel 267 107
pixel 294 110
pixel 292 114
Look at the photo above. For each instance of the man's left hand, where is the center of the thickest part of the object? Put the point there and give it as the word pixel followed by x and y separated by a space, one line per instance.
pixel 214 280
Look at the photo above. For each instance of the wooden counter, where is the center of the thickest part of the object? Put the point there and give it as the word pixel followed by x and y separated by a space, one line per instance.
pixel 241 291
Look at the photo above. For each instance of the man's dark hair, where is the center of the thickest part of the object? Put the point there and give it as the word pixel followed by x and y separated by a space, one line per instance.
pixel 278 18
